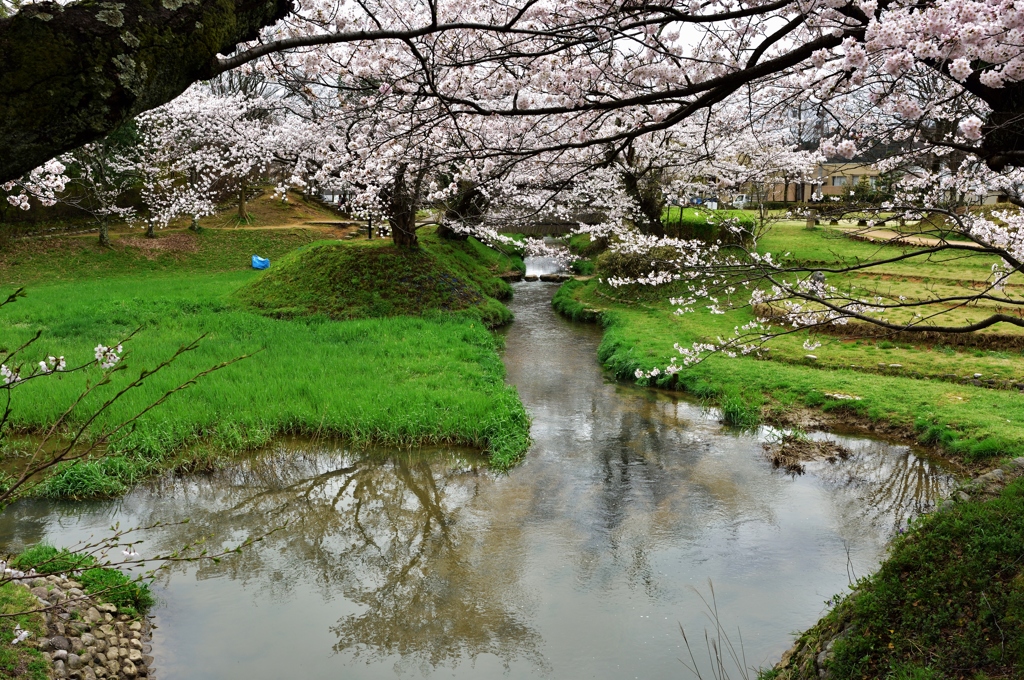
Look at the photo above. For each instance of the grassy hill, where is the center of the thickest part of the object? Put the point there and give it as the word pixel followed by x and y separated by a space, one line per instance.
pixel 368 369
pixel 374 279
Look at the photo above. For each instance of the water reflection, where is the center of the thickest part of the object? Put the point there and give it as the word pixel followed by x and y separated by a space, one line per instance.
pixel 578 563
pixel 892 483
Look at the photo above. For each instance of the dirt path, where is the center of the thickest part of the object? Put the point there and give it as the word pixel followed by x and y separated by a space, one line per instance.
pixel 890 236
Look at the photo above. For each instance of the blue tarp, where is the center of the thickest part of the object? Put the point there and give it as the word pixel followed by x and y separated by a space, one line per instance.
pixel 260 262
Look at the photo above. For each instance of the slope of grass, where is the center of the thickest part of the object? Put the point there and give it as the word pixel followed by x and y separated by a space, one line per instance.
pixel 972 423
pixel 947 603
pixel 23 661
pixel 370 279
pixel 400 380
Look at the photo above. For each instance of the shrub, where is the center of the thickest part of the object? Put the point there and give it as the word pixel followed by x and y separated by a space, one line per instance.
pixel 46 559
pixel 710 227
pixel 583 267
pixel 131 597
pixel 632 265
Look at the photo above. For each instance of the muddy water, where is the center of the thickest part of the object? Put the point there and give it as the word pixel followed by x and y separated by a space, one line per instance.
pixel 580 563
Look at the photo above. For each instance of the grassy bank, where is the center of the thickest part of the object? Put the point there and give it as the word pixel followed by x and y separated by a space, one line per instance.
pixel 375 279
pixel 20 662
pixel 111 585
pixel 947 603
pixel 972 423
pixel 915 389
pixel 402 380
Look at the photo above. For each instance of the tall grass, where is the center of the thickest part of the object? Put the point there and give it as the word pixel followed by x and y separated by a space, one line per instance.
pixel 395 381
pixel 971 423
pixel 132 597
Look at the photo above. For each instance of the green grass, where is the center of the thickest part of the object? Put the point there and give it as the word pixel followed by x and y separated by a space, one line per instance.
pixel 947 603
pixel 23 661
pixel 566 304
pixel 46 559
pixel 71 259
pixel 971 423
pixel 370 279
pixel 397 381
pixel 110 585
pixel 131 597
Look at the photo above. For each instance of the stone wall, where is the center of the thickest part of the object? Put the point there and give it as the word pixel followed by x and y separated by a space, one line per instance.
pixel 87 639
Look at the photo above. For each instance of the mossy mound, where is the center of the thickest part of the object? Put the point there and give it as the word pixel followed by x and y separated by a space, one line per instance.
pixel 360 280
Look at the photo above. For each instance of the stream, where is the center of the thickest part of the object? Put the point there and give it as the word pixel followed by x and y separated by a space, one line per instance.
pixel 584 561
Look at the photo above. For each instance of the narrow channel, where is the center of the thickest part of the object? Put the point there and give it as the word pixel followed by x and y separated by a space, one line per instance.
pixel 582 562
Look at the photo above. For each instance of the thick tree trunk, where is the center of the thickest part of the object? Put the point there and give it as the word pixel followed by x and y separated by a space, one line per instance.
pixel 651 204
pixel 402 200
pixel 71 74
pixel 403 232
pixel 466 208
pixel 195 224
pixel 243 215
pixel 150 231
pixel 104 234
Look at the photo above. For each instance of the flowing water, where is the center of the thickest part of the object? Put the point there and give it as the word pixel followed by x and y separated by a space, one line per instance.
pixel 582 562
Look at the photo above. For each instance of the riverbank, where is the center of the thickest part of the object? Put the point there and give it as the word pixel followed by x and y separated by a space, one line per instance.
pixel 401 380
pixel 82 622
pixel 948 601
pixel 974 425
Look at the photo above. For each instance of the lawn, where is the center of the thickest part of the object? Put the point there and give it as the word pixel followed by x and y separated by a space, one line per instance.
pixel 948 601
pixel 916 387
pixel 394 380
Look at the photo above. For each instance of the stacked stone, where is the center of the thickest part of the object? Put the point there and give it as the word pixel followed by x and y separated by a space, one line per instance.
pixel 89 640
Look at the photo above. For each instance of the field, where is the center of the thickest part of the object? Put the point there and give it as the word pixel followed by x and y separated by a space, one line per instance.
pixel 912 388
pixel 947 602
pixel 391 380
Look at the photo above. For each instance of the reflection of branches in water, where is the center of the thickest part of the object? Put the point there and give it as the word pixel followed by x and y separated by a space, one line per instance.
pixel 891 483
pixel 395 536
